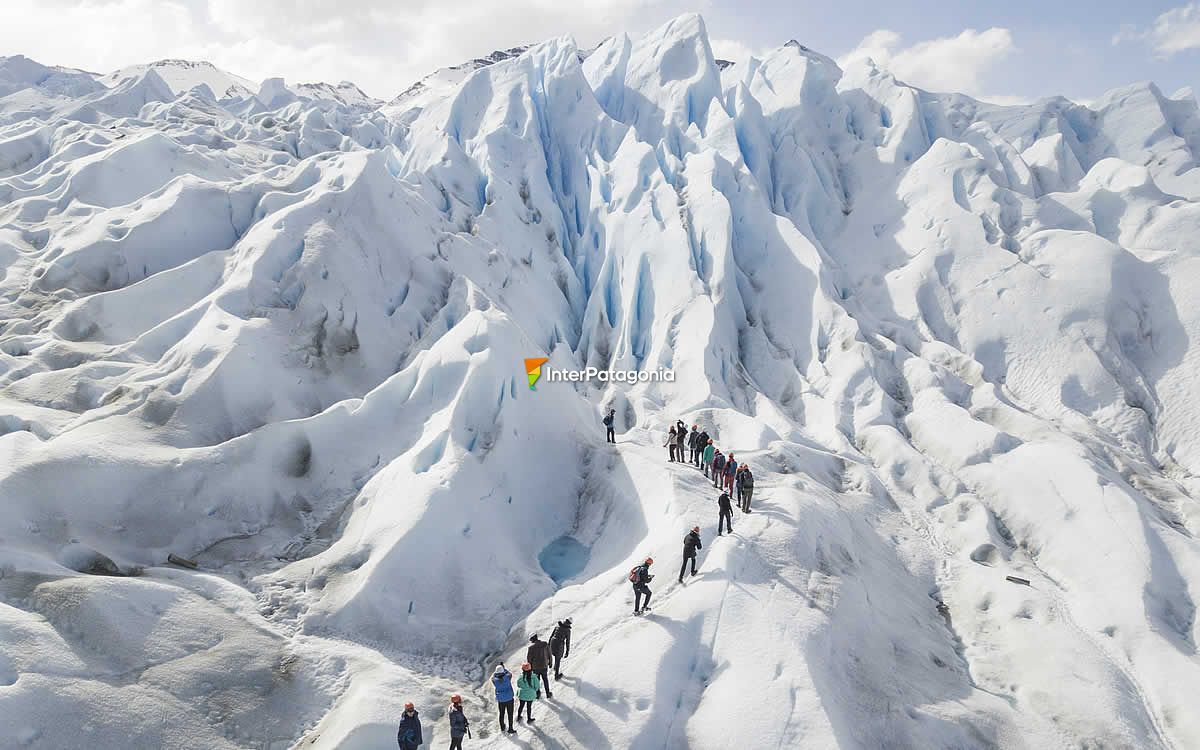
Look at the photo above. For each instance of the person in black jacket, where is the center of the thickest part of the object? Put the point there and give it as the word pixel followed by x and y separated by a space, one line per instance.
pixel 640 577
pixel 610 434
pixel 726 513
pixel 747 489
pixel 409 736
pixel 693 436
pixel 539 656
pixel 560 645
pixel 701 441
pixel 691 543
pixel 459 725
pixel 681 435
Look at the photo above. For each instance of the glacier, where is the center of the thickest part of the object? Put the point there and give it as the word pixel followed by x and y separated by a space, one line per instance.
pixel 279 330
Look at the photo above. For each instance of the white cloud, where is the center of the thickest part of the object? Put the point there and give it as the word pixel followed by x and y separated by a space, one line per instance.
pixel 958 63
pixel 1176 30
pixel 382 45
pixel 733 50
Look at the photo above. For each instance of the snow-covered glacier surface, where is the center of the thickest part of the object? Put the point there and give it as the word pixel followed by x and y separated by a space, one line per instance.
pixel 280 332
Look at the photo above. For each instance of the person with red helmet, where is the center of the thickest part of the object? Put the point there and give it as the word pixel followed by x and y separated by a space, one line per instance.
pixel 691 543
pixel 746 490
pixel 459 726
pixel 718 467
pixel 640 577
pixel 728 472
pixel 409 736
pixel 529 688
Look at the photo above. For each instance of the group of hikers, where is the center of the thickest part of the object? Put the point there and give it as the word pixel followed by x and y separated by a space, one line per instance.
pixel 724 470
pixel 693 446
pixel 540 658
pixel 697 448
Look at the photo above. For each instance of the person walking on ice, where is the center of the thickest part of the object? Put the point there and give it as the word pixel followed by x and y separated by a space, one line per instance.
pixel 707 459
pixel 747 490
pixel 691 543
pixel 730 469
pixel 693 443
pixel 725 515
pixel 529 689
pixel 560 645
pixel 718 466
pixel 640 577
pixel 539 655
pixel 670 444
pixel 681 436
pixel 702 442
pixel 409 736
pixel 459 726
pixel 610 435
pixel 502 681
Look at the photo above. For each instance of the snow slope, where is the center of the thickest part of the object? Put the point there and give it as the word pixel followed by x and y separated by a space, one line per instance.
pixel 282 335
pixel 184 75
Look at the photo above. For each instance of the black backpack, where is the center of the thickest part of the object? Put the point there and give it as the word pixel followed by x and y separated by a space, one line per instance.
pixel 608 421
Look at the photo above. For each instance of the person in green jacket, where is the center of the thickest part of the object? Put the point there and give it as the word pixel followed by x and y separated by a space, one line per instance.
pixel 709 450
pixel 528 687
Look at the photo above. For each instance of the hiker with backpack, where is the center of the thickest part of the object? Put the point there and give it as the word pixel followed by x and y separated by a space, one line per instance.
pixel 640 577
pixel 539 655
pixel 502 681
pixel 409 736
pixel 459 726
pixel 707 459
pixel 728 472
pixel 610 435
pixel 691 543
pixel 693 444
pixel 747 489
pixel 725 515
pixel 701 443
pixel 529 689
pixel 670 444
pixel 718 466
pixel 560 645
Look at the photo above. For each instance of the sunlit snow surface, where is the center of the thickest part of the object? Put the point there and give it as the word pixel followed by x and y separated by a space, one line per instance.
pixel 282 334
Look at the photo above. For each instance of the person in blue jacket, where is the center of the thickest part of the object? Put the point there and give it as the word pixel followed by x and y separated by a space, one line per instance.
pixel 409 735
pixel 502 681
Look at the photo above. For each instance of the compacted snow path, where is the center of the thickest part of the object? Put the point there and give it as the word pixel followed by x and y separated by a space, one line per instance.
pixel 282 332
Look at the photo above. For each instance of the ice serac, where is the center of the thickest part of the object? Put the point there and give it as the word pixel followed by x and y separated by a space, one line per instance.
pixel 280 332
pixel 661 84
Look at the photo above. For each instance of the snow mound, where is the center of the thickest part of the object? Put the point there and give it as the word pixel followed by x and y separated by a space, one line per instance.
pixel 183 75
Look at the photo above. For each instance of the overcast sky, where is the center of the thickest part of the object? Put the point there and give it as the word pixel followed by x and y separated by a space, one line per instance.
pixel 1011 50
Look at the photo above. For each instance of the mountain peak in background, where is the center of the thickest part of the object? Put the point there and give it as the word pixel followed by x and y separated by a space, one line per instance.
pixel 182 75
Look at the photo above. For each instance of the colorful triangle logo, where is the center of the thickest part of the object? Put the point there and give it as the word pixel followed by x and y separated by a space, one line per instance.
pixel 533 367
